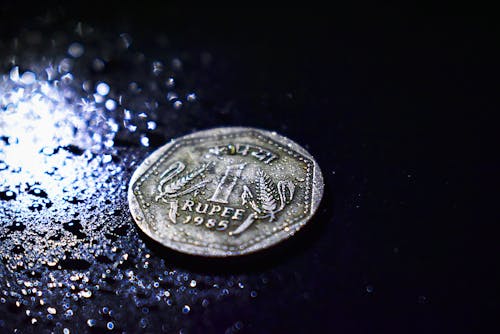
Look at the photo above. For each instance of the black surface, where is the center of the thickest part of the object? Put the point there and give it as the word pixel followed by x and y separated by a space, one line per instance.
pixel 397 109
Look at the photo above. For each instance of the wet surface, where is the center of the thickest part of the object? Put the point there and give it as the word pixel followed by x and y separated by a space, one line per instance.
pixel 76 119
pixel 84 100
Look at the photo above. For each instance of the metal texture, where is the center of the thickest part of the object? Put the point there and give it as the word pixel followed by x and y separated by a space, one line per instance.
pixel 225 191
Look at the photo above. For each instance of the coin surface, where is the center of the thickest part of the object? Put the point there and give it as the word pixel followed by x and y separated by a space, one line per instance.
pixel 225 191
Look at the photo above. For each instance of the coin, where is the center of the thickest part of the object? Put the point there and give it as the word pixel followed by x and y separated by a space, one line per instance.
pixel 226 191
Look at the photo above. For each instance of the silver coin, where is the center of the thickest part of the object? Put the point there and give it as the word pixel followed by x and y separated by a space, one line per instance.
pixel 225 191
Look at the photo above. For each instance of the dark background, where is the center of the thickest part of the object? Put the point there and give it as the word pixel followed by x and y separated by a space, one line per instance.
pixel 397 108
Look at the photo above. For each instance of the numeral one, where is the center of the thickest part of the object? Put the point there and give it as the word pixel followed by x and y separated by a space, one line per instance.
pixel 227 183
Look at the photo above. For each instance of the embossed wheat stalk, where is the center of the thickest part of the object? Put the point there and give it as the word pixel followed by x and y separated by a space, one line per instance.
pixel 177 185
pixel 169 191
pixel 266 194
pixel 265 204
pixel 176 188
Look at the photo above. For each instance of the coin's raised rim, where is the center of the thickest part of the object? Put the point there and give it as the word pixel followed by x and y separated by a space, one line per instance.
pixel 139 218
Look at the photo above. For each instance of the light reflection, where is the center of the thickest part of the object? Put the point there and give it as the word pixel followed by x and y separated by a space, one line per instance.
pixel 75 50
pixel 145 141
pixel 28 78
pixel 102 89
pixel 63 183
pixel 37 116
pixel 110 105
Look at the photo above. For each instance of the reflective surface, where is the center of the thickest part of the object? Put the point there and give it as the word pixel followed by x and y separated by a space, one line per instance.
pixel 71 133
pixel 395 108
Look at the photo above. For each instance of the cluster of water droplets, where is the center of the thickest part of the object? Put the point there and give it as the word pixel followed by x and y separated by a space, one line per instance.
pixel 76 112
pixel 72 98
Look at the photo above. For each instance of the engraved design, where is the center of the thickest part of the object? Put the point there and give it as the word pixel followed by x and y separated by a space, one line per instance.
pixel 225 191
pixel 265 204
pixel 261 154
pixel 168 191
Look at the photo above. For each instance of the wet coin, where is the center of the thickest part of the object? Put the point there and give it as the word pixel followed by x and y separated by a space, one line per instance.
pixel 225 191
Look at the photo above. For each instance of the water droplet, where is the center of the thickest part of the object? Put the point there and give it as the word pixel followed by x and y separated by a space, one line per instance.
pixel 110 104
pixel 107 158
pixel 151 126
pixel 133 87
pixel 170 83
pixel 102 89
pixel 191 97
pixel 51 310
pixel 75 50
pixel 369 288
pixel 177 64
pixel 28 78
pixel 65 65
pixel 14 74
pixel 91 322
pixel 98 65
pixel 157 67
pixel 172 96
pixel 177 105
pixel 98 98
pixel 110 325
pixel 186 309
pixel 86 293
pixel 126 40
pixel 145 141
pixel 127 114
